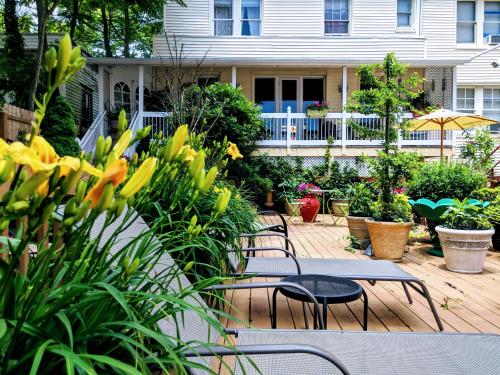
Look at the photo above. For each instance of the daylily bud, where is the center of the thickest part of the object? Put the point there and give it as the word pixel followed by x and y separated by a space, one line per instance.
pixel 82 211
pixel 81 189
pixel 63 56
pixel 188 267
pixel 4 225
pixel 209 180
pixel 122 121
pixel 197 231
pixel 47 212
pixel 107 145
pixel 194 220
pixel 197 164
pixel 6 170
pixel 123 143
pixel 75 55
pixel 71 180
pixel 222 201
pixel 176 142
pixel 69 221
pixel 71 208
pixel 50 59
pixel 133 267
pixel 99 148
pixel 199 179
pixel 105 199
pixel 29 186
pixel 135 158
pixel 140 178
pixel 17 206
pixel 54 179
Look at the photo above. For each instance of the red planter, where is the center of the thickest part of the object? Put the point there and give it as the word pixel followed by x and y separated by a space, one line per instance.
pixel 310 208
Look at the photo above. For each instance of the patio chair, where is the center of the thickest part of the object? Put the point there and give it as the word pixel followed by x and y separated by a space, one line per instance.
pixel 281 227
pixel 353 269
pixel 305 352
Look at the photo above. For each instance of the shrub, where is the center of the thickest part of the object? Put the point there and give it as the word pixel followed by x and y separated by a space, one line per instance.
pixel 466 217
pixel 445 180
pixel 362 201
pixel 478 149
pixel 486 194
pixel 399 210
pixel 59 129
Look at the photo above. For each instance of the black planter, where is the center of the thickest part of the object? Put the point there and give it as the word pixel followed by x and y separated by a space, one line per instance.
pixel 496 238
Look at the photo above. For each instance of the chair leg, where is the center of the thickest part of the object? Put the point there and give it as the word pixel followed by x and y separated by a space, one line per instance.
pixel 306 321
pixel 365 311
pixel 407 292
pixel 274 313
pixel 325 314
pixel 425 293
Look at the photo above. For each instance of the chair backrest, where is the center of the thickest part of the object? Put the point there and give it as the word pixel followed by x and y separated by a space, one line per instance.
pixel 188 326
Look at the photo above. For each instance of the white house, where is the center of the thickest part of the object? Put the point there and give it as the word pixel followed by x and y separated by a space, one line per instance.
pixel 285 55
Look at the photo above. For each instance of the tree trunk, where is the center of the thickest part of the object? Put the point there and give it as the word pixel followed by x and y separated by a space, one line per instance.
pixel 126 36
pixel 41 11
pixel 105 32
pixel 74 19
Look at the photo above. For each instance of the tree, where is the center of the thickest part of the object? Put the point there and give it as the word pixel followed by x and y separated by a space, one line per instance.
pixel 387 96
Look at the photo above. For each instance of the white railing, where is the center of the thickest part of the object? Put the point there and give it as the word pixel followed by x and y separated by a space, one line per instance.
pixel 89 139
pixel 135 124
pixel 296 129
pixel 157 121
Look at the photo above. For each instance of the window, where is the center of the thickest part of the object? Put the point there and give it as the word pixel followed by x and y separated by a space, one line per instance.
pixel 122 96
pixel 466 22
pixel 313 91
pixel 207 81
pixel 223 17
pixel 466 100
pixel 491 18
pixel 336 16
pixel 250 17
pixel 405 8
pixel 87 109
pixel 491 105
pixel 265 94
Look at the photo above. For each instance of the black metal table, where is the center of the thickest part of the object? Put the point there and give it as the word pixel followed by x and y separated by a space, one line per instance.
pixel 327 290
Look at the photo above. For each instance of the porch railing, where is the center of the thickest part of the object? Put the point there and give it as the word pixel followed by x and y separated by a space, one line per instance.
pixel 296 129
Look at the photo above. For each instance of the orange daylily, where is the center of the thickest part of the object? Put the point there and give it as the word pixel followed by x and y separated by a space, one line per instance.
pixel 116 173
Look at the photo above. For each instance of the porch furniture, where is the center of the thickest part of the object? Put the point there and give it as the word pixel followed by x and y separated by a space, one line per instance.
pixel 352 269
pixel 323 195
pixel 292 209
pixel 281 227
pixel 327 290
pixel 307 352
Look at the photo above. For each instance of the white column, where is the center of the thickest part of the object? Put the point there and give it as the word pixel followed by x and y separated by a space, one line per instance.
pixel 100 88
pixel 454 93
pixel 234 80
pixel 344 114
pixel 141 89
pixel 289 130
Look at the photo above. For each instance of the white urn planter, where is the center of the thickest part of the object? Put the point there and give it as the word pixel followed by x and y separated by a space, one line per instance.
pixel 464 250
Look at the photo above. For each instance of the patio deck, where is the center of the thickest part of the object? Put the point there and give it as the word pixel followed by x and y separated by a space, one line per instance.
pixel 465 303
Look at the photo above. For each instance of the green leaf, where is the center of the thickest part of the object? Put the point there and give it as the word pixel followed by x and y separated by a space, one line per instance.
pixel 65 321
pixel 38 356
pixel 116 364
pixel 3 328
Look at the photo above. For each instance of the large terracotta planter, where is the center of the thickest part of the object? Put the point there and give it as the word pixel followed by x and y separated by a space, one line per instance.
pixel 358 228
pixel 310 208
pixel 464 250
pixel 389 240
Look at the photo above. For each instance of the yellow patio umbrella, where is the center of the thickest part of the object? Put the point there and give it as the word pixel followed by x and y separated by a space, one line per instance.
pixel 444 119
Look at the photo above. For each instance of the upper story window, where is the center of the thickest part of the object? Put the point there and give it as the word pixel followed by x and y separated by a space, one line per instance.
pixel 491 18
pixel 491 105
pixel 336 16
pixel 405 13
pixel 223 17
pixel 250 17
pixel 466 22
pixel 466 98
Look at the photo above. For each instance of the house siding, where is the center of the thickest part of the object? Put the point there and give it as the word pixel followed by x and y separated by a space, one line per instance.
pixel 439 27
pixel 73 92
pixel 364 21
pixel 194 19
pixel 480 71
pixel 304 18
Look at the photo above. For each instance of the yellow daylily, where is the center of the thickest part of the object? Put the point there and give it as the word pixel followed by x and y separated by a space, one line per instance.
pixel 190 154
pixel 123 143
pixel 233 151
pixel 140 178
pixel 44 150
pixel 114 174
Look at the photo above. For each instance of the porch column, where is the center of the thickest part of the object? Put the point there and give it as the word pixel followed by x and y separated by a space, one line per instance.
pixel 344 103
pixel 454 91
pixel 100 88
pixel 141 89
pixel 234 81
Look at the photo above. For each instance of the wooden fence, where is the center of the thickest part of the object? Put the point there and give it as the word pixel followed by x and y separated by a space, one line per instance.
pixel 13 121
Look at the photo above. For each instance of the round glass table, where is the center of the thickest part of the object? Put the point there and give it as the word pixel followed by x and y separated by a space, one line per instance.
pixel 327 290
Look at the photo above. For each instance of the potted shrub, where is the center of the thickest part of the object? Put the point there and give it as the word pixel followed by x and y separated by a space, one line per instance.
pixel 465 237
pixel 340 201
pixel 317 109
pixel 310 202
pixel 289 195
pixel 390 228
pixel 267 187
pixel 360 208
pixel 493 215
pixel 388 96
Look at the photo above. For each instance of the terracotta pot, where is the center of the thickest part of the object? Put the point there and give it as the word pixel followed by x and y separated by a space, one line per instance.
pixel 388 239
pixel 357 227
pixel 269 200
pixel 310 208
pixel 464 250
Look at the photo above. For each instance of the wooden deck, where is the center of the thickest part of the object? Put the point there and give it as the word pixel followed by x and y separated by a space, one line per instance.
pixel 465 303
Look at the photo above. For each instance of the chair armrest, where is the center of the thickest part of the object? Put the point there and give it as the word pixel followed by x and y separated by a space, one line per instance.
pixel 287 240
pixel 266 349
pixel 288 253
pixel 273 285
pixel 271 212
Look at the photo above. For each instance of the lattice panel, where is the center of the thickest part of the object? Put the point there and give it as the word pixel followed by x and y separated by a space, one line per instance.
pixel 439 86
pixel 344 161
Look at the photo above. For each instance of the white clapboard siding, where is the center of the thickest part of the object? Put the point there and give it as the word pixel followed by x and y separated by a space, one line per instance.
pixel 438 26
pixel 194 19
pixel 83 78
pixel 373 17
pixel 460 141
pixel 295 49
pixel 480 71
pixel 293 17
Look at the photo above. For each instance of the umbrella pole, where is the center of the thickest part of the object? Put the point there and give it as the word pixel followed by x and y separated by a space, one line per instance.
pixel 442 142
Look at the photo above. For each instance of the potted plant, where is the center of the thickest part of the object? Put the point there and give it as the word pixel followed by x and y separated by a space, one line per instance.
pixel 388 96
pixel 112 114
pixel 360 208
pixel 465 237
pixel 493 215
pixel 310 202
pixel 289 195
pixel 340 201
pixel 317 109
pixel 267 187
